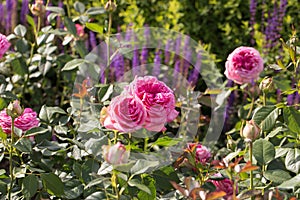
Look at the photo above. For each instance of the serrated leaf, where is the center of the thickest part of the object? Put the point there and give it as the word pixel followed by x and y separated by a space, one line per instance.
pixel 36 131
pixel 24 145
pixel 277 176
pixel 53 184
pixel 79 7
pixel 20 30
pixel 58 10
pixel 19 66
pixel 266 117
pixel 292 119
pixel 136 183
pixel 142 166
pixel 30 185
pixel 95 11
pixel 166 141
pixel 94 27
pixel 70 25
pixel 292 160
pixel 73 64
pixel 292 183
pixel 263 151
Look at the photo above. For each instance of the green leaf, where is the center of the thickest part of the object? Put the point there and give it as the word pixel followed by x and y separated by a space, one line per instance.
pixel 80 48
pixel 95 11
pixel 93 145
pixel 19 66
pixel 30 21
pixel 53 184
pixel 73 64
pixel 46 113
pixel 292 183
pixel 58 10
pixel 150 183
pixel 163 177
pixel 79 7
pixel 96 196
pixel 20 30
pixel 95 27
pixel 22 45
pixel 24 145
pixel 30 185
pixel 263 151
pixel 266 117
pixel 70 25
pixel 277 176
pixel 139 185
pixel 73 189
pixel 36 131
pixel 166 141
pixel 292 160
pixel 142 166
pixel 292 119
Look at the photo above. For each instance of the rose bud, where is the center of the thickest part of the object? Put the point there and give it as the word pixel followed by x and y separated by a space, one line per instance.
pixel 266 84
pixel 251 131
pixel 14 109
pixel 115 154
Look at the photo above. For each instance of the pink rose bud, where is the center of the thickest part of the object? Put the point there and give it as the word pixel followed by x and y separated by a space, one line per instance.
pixel 266 84
pixel 202 154
pixel 115 154
pixel 251 131
pixel 14 109
pixel 244 65
pixel 4 45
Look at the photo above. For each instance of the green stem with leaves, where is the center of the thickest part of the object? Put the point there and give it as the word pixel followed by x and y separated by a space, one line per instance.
pixel 108 43
pixel 251 161
pixel 11 168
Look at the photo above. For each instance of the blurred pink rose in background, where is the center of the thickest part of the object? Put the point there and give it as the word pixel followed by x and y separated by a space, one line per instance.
pixel 115 154
pixel 225 185
pixel 202 154
pixel 158 99
pixel 27 120
pixel 4 45
pixel 244 65
pixel 125 113
pixel 80 30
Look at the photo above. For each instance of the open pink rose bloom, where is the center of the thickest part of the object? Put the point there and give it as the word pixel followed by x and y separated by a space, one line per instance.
pixel 4 45
pixel 26 121
pixel 145 103
pixel 244 65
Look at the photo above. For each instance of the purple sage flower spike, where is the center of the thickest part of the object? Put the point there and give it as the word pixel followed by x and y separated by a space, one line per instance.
pixel 193 78
pixel 167 52
pixel 157 64
pixel 93 40
pixel 24 11
pixel 9 7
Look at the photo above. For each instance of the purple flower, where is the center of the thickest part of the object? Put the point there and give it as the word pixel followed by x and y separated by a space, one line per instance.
pixel 253 5
pixel 167 52
pixel 193 78
pixel 24 11
pixel 118 64
pixel 157 63
pixel 93 40
pixel 144 55
pixel 9 10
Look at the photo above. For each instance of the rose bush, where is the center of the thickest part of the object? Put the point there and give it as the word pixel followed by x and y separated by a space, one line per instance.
pixel 244 65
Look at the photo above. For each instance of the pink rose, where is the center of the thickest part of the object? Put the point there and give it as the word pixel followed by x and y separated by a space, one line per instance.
pixel 244 65
pixel 80 30
pixel 115 154
pixel 225 185
pixel 158 99
pixel 125 113
pixel 4 45
pixel 27 120
pixel 202 154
